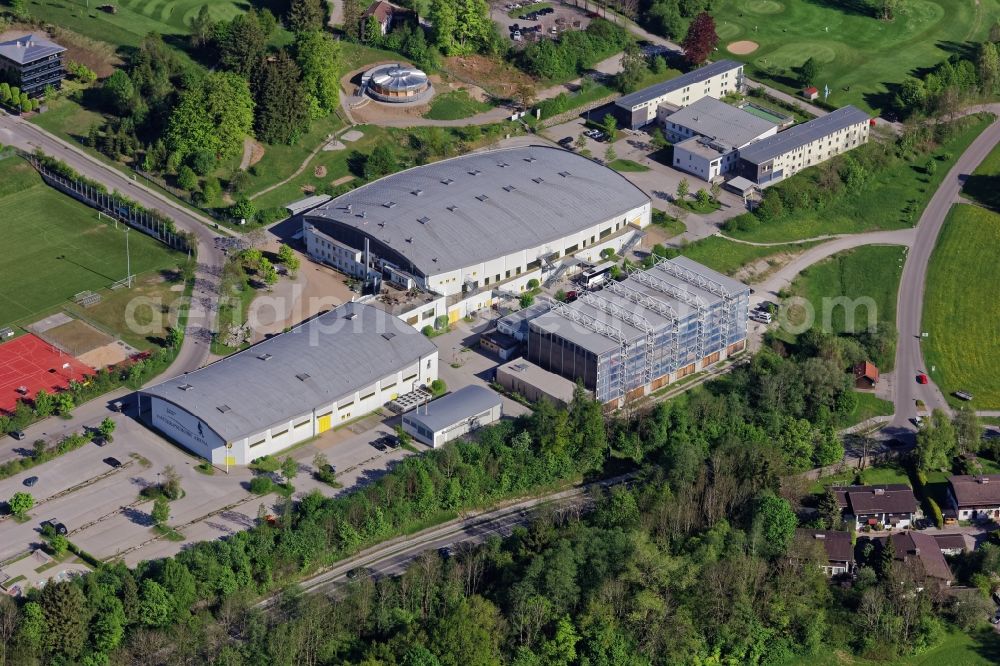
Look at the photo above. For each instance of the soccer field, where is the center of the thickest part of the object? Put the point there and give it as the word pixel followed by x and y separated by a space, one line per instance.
pixel 859 56
pixel 55 247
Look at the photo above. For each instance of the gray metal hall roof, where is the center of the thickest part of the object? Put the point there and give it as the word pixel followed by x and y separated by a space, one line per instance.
pixel 465 210
pixel 723 122
pixel 454 407
pixel 800 135
pixel 29 48
pixel 660 89
pixel 311 366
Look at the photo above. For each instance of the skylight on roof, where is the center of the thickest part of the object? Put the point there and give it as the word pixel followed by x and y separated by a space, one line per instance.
pixel 388 335
pixel 423 220
pixel 389 204
pixel 223 408
pixel 538 180
pixel 417 192
pixel 452 207
pixel 185 387
pixel 447 181
pixel 482 197
pixel 530 159
pixel 302 376
pixel 474 172
pixel 564 174
pixel 509 188
pixel 265 357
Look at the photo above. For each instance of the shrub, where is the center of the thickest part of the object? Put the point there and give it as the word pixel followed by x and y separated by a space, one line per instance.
pixel 261 485
pixel 438 387
pixel 533 283
pixel 936 512
pixel 441 322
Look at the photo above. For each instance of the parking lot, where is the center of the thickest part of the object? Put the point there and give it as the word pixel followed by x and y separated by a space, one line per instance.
pixel 555 17
pixel 105 515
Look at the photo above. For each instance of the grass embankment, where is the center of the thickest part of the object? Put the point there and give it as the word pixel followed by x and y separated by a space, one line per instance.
pixel 961 309
pixel 894 199
pixel 957 648
pixel 728 256
pixel 627 165
pixel 55 247
pixel 984 184
pixel 455 105
pixel 859 56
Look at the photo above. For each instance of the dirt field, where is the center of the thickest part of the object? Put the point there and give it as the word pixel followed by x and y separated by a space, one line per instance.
pixel 98 56
pixel 499 79
pixel 77 337
pixel 742 47
pixel 253 152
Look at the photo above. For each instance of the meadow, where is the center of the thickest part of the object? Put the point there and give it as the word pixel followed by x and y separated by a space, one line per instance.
pixel 56 247
pixel 961 309
pixel 860 57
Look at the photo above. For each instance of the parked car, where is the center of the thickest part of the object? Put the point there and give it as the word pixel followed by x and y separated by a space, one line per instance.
pixel 113 462
pixel 18 434
pixel 516 36
pixel 388 442
pixel 922 378
pixel 30 481
pixel 566 141
pixel 762 317
pixel 571 296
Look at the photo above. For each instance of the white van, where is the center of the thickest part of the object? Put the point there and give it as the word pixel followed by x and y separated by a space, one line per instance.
pixel 762 317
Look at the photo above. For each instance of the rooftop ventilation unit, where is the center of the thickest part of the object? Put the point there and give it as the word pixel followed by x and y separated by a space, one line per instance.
pixel 447 181
pixel 185 387
pixel 474 172
pixel 302 376
pixel 410 239
pixel 564 174
pixel 417 192
pixel 389 335
pixel 509 188
pixel 538 180
pixel 223 408
pixel 423 220
pixel 265 357
pixel 389 204
pixel 452 208
pixel 482 197
pixel 350 315
pixel 529 160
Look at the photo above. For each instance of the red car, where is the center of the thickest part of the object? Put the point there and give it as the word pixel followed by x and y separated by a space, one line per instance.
pixel 921 378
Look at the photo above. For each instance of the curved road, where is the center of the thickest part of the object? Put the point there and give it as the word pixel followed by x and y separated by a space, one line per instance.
pixel 15 131
pixel 909 308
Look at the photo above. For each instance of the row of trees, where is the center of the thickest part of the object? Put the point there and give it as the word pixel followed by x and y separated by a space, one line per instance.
pixel 956 81
pixel 716 456
pixel 574 52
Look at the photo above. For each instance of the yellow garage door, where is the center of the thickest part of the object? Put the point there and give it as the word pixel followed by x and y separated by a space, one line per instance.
pixel 325 422
pixel 230 460
pixel 453 316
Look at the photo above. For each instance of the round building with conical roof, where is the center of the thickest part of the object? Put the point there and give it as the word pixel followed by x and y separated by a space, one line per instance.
pixel 397 83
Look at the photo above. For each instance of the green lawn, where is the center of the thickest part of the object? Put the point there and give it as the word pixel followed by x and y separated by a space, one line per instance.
pixel 55 247
pixel 524 11
pixel 884 474
pixel 727 256
pixel 869 406
pixel 627 165
pixel 984 183
pixel 958 648
pixel 695 206
pixel 671 225
pixel 961 308
pixel 851 290
pixel 894 199
pixel 859 56
pixel 66 118
pixel 137 18
pixel 455 105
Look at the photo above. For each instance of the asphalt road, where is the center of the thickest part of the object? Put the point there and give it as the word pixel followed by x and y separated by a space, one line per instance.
pixel 909 355
pixel 15 131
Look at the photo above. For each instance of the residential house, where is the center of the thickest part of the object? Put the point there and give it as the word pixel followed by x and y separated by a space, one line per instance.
pixel 975 497
pixel 836 545
pixel 890 506
pixel 865 375
pixel 922 551
pixel 953 544
pixel 382 12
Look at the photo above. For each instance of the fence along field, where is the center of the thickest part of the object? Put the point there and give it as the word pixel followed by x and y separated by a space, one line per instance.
pixel 56 247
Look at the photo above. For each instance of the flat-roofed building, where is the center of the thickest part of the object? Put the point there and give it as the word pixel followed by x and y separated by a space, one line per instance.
pixel 653 328
pixel 446 419
pixel 533 383
pixel 327 371
pixel 708 135
pixel 712 80
pixel 775 158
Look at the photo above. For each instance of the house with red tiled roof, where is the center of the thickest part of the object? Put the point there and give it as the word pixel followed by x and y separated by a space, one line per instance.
pixel 865 375
pixel 380 11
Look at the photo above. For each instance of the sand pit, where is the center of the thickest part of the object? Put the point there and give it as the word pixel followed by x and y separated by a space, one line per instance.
pixel 742 47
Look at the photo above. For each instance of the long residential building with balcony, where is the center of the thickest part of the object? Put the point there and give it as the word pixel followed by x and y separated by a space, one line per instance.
pixel 32 64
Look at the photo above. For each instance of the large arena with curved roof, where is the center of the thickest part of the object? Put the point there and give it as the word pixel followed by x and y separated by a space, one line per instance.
pixel 479 220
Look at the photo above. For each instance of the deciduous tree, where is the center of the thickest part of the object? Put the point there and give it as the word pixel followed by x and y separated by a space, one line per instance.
pixel 319 58
pixel 701 39
pixel 21 503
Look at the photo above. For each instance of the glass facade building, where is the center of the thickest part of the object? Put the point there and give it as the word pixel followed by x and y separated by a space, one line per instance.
pixel 637 335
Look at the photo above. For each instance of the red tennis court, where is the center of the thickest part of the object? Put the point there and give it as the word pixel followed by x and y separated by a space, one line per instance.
pixel 32 363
